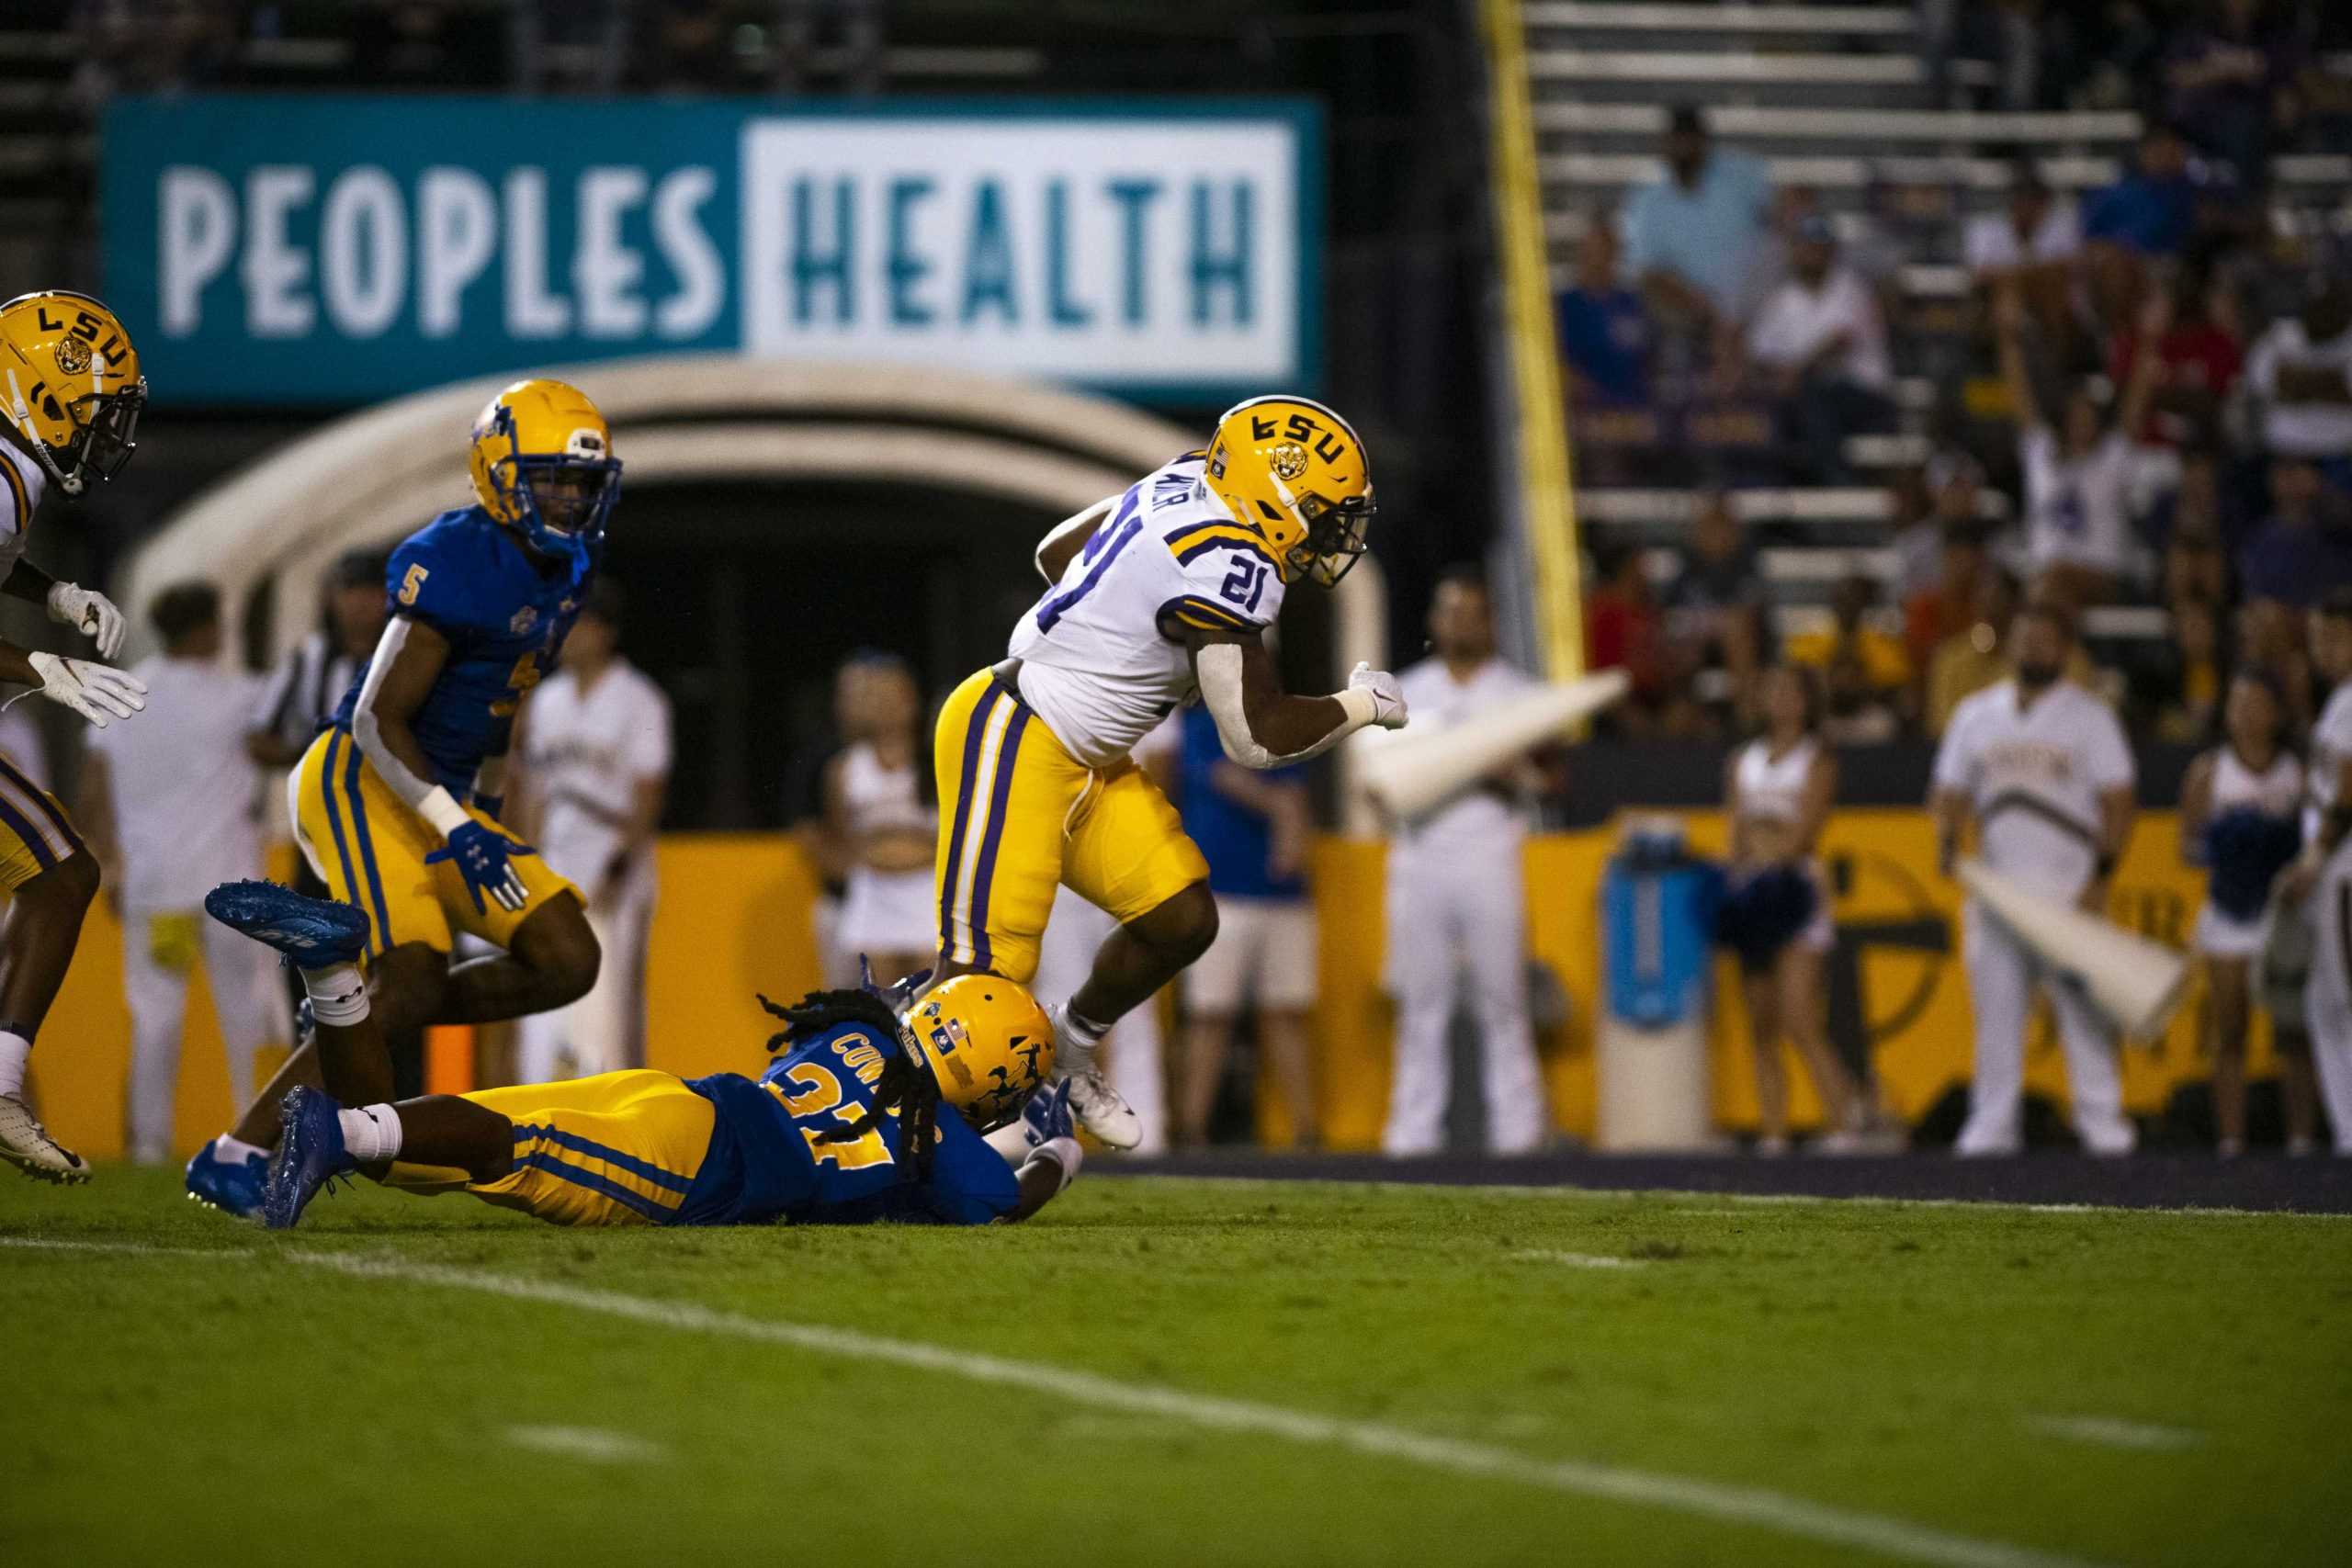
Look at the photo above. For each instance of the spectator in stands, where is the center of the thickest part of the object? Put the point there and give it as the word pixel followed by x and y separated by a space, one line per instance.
pixel 2151 211
pixel 1916 536
pixel 1715 609
pixel 2197 357
pixel 1948 606
pixel 2300 374
pixel 2224 74
pixel 1624 630
pixel 1875 655
pixel 2197 510
pixel 2304 551
pixel 2196 566
pixel 1821 344
pixel 2032 245
pixel 2077 473
pixel 1969 660
pixel 2186 688
pixel 1855 711
pixel 169 806
pixel 1605 331
pixel 1254 829
pixel 1691 237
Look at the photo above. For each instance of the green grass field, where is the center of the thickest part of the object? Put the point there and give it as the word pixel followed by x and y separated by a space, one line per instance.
pixel 1209 1373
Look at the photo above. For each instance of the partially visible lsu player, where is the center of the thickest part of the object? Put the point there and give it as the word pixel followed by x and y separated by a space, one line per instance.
pixel 2319 883
pixel 396 804
pixel 845 1127
pixel 1156 594
pixel 73 393
pixel 2241 807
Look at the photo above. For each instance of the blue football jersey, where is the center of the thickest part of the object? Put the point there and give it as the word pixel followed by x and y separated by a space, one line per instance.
pixel 505 612
pixel 771 1157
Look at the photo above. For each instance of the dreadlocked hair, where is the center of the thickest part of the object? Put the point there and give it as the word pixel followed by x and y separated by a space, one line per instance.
pixel 905 1088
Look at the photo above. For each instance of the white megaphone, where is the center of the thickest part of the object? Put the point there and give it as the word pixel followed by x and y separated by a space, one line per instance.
pixel 1407 775
pixel 2135 982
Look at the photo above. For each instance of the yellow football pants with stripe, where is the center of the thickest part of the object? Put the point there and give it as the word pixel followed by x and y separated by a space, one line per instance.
pixel 616 1149
pixel 1018 814
pixel 35 832
pixel 371 848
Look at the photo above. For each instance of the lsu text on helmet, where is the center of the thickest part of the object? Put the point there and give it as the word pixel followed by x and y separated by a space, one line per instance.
pixel 1298 472
pixel 987 1042
pixel 70 384
pixel 543 463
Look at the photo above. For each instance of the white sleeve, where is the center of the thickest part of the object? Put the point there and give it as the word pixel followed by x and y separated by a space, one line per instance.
pixel 1956 757
pixel 2109 753
pixel 648 738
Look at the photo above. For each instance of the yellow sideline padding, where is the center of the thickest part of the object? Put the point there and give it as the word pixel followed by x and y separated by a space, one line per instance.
pixel 734 920
pixel 1547 514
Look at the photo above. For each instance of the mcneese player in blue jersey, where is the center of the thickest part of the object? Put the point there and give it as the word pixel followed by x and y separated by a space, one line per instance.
pixel 396 803
pixel 863 1115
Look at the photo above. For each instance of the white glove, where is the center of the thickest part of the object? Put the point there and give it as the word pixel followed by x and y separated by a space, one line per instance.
pixel 90 613
pixel 93 691
pixel 1387 696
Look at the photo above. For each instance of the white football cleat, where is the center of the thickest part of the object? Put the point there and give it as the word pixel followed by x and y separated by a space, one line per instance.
pixel 26 1143
pixel 1104 1112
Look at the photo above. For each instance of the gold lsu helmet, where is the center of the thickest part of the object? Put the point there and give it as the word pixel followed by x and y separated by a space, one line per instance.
pixel 542 463
pixel 1298 473
pixel 70 384
pixel 986 1041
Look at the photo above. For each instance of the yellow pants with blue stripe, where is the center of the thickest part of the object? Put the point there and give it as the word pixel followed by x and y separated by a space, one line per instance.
pixel 35 832
pixel 369 849
pixel 616 1149
pixel 1018 814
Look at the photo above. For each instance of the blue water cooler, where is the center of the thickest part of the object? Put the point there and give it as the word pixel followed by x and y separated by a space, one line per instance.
pixel 1658 910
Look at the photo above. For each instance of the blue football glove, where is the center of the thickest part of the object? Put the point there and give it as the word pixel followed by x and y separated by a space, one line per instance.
pixel 482 855
pixel 1047 1116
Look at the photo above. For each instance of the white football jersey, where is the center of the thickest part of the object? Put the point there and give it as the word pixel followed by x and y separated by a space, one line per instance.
pixel 583 755
pixel 2034 778
pixel 22 483
pixel 1100 662
pixel 2331 749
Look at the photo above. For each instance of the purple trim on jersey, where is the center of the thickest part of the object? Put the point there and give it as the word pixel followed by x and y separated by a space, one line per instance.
pixel 1124 527
pixel 976 727
pixel 985 872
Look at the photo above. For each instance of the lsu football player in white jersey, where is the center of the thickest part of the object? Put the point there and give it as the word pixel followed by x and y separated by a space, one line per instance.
pixel 69 395
pixel 1158 593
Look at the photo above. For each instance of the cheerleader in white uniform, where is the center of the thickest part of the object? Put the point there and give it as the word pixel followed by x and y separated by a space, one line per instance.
pixel 877 805
pixel 2240 808
pixel 1777 791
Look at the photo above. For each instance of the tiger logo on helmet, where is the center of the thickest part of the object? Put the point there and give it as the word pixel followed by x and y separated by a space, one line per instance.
pixel 987 1042
pixel 542 463
pixel 1295 472
pixel 70 389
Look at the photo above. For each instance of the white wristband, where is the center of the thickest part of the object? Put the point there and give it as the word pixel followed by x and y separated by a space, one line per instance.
pixel 1360 705
pixel 441 809
pixel 1063 1152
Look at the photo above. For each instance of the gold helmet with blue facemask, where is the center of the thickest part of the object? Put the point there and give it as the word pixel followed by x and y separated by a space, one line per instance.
pixel 543 465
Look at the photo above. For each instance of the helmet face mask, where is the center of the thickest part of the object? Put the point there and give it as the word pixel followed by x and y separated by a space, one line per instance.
pixel 72 391
pixel 1295 472
pixel 560 496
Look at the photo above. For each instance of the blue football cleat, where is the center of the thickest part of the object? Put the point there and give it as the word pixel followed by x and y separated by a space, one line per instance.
pixel 231 1186
pixel 310 1154
pixel 311 933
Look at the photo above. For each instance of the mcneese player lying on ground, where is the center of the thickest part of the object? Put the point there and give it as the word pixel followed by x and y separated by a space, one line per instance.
pixel 862 1117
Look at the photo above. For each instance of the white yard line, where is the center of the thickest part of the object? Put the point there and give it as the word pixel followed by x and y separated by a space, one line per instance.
pixel 1576 1259
pixel 2108 1431
pixel 1752 1506
pixel 597 1445
pixel 1680 1194
pixel 126 1248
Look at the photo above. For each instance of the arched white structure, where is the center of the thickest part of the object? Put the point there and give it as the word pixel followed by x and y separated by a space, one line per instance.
pixel 369 480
